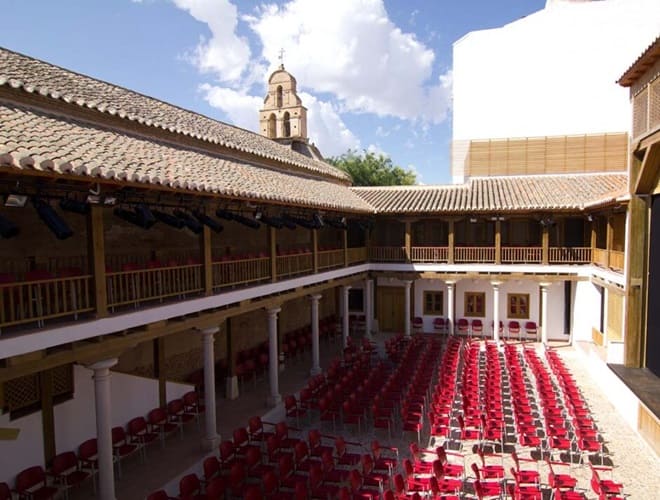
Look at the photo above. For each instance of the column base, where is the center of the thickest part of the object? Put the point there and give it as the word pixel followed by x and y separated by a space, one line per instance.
pixel 315 371
pixel 273 400
pixel 232 387
pixel 210 444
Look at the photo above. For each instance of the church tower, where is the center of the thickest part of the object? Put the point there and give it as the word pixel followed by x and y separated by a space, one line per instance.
pixel 283 117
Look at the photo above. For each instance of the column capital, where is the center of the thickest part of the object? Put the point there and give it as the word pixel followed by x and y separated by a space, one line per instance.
pixel 316 297
pixel 209 331
pixel 496 283
pixel 346 287
pixel 407 282
pixel 103 364
pixel 273 311
pixel 545 284
pixel 450 282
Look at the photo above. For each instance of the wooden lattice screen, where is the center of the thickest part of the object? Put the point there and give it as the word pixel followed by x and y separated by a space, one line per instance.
pixel 24 393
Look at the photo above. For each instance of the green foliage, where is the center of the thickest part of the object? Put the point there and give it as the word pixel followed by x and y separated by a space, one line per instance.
pixel 369 169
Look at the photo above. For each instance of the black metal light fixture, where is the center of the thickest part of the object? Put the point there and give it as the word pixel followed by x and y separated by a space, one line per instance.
pixel 75 206
pixel 190 222
pixel 302 222
pixel 275 222
pixel 336 222
pixel 236 217
pixel 213 224
pixel 8 229
pixel 140 216
pixel 167 218
pixel 52 219
pixel 224 214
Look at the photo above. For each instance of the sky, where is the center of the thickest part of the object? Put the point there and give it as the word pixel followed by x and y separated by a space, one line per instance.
pixel 375 75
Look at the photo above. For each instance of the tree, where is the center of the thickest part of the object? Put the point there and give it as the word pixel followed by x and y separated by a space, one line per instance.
pixel 369 169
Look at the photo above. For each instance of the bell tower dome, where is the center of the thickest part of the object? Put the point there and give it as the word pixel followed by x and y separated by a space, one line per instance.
pixel 283 117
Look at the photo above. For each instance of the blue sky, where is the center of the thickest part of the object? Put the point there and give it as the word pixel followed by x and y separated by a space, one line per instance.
pixel 374 74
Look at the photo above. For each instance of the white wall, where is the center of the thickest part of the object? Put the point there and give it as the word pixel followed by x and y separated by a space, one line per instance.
pixel 75 419
pixel 553 72
pixel 556 311
pixel 586 310
pixel 419 287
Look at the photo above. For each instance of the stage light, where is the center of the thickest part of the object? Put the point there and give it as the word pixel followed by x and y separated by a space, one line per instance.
pixel 75 206
pixel 168 219
pixel 318 220
pixel 16 200
pixel 208 221
pixel 51 218
pixel 246 221
pixel 336 222
pixel 190 222
pixel 7 228
pixel 141 216
pixel 224 214
pixel 275 222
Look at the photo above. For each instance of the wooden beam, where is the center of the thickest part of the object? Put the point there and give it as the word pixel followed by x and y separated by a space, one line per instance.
pixel 649 170
pixel 345 243
pixel 231 355
pixel 610 237
pixel 408 240
pixel 96 259
pixel 498 242
pixel 207 259
pixel 450 242
pixel 315 250
pixel 272 244
pixel 47 415
pixel 545 245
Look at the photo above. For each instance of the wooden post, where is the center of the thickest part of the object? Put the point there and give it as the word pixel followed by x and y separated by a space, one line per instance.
pixel 315 249
pixel 272 239
pixel 159 369
pixel 637 233
pixel 498 242
pixel 367 243
pixel 594 237
pixel 408 240
pixel 207 259
pixel 450 242
pixel 345 243
pixel 47 414
pixel 545 245
pixel 231 358
pixel 610 237
pixel 96 259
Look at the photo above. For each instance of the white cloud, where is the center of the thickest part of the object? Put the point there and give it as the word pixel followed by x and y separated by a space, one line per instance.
pixel 350 48
pixel 326 127
pixel 241 108
pixel 224 53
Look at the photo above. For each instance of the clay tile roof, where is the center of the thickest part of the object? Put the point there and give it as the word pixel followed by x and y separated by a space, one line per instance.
pixel 33 140
pixel 501 194
pixel 643 63
pixel 34 76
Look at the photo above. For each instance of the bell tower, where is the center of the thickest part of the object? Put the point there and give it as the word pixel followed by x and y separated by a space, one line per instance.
pixel 283 117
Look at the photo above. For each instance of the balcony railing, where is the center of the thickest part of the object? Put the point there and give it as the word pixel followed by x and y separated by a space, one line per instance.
pixel 464 255
pixel 600 257
pixel 429 254
pixel 521 255
pixel 330 259
pixel 617 260
pixel 239 272
pixel 569 255
pixel 387 254
pixel 294 264
pixel 357 255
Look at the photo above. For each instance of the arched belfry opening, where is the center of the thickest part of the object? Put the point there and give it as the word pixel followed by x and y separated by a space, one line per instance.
pixel 283 118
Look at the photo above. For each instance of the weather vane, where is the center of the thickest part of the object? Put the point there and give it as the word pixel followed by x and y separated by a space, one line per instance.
pixel 281 58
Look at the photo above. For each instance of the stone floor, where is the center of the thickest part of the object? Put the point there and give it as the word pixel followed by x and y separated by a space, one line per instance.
pixel 635 464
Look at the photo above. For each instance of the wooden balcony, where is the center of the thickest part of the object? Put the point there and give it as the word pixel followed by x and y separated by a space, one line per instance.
pixel 387 254
pixel 331 259
pixel 617 260
pixel 475 255
pixel 292 265
pixel 521 255
pixel 569 255
pixel 600 257
pixel 357 255
pixel 240 272
pixel 429 254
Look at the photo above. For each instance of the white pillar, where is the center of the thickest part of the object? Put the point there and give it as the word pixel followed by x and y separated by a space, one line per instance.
pixel 274 398
pixel 104 427
pixel 344 330
pixel 316 365
pixel 210 439
pixel 406 300
pixel 544 316
pixel 369 307
pixel 496 311
pixel 450 306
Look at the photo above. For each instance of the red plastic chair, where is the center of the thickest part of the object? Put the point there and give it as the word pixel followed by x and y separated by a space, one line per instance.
pixel 88 456
pixel 31 483
pixel 343 455
pixel 418 323
pixel 462 327
pixel 139 433
pixel 192 405
pixel 190 488
pixel 514 329
pixel 160 495
pixel 439 325
pixel 176 412
pixel 66 471
pixel 121 448
pixel 292 410
pixel 5 491
pixel 159 422
pixel 477 327
pixel 531 330
pixel 211 468
pixel 216 489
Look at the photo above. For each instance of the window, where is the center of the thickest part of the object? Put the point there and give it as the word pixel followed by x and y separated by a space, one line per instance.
pixel 518 305
pixel 287 125
pixel 272 132
pixel 475 304
pixel 433 303
pixel 278 96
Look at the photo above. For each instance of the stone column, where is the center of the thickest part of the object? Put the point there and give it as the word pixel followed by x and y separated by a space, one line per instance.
pixel 274 398
pixel 496 310
pixel 408 319
pixel 451 285
pixel 104 427
pixel 544 315
pixel 316 365
pixel 345 325
pixel 211 439
pixel 369 307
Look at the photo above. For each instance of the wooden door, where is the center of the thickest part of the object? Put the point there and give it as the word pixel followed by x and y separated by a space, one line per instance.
pixel 391 308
